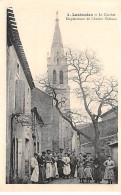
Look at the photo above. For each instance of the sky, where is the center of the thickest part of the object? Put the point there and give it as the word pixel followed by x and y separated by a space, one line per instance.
pixel 36 22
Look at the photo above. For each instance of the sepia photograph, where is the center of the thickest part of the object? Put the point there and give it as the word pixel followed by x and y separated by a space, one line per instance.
pixel 62 66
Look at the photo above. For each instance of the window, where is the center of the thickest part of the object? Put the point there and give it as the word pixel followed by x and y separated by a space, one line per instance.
pixel 19 96
pixel 17 68
pixel 61 77
pixel 57 61
pixel 54 77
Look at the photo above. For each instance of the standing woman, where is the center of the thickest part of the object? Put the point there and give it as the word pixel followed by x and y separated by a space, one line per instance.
pixel 53 167
pixel 42 173
pixel 109 173
pixel 35 169
pixel 97 169
pixel 48 160
pixel 56 169
pixel 66 168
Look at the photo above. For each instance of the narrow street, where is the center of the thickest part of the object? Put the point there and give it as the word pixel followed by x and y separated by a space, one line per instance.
pixel 73 181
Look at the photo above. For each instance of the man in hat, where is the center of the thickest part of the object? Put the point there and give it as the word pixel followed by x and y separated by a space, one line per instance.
pixel 42 164
pixel 73 163
pixel 60 163
pixel 48 160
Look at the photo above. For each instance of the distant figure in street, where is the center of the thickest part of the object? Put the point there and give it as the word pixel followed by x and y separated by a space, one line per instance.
pixel 42 165
pixel 97 169
pixel 81 173
pixel 109 173
pixel 34 169
pixel 66 168
pixel 48 161
pixel 60 163
pixel 88 173
pixel 73 162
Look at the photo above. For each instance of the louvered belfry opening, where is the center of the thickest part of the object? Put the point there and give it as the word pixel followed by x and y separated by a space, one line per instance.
pixel 54 77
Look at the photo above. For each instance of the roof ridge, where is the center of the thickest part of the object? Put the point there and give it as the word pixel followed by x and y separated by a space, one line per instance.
pixel 14 39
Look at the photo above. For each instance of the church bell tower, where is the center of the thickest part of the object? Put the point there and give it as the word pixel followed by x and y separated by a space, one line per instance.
pixel 58 78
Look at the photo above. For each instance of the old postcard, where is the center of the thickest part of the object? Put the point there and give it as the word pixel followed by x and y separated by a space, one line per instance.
pixel 59 94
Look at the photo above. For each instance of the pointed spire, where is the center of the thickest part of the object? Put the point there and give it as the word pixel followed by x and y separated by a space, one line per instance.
pixel 57 40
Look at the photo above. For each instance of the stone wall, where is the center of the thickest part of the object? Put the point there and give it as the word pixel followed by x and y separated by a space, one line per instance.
pixel 108 132
pixel 106 128
pixel 50 117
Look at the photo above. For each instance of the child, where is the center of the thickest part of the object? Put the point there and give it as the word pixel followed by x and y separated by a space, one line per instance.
pixel 88 173
pixel 81 173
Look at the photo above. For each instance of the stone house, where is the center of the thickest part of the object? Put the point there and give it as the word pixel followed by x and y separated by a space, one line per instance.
pixel 37 124
pixel 49 133
pixel 20 119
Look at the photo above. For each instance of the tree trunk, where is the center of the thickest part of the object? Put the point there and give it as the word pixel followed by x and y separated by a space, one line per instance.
pixel 96 138
pixel 96 146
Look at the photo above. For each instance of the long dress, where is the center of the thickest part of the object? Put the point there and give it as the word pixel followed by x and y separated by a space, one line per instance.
pixel 109 173
pixel 97 170
pixel 42 173
pixel 66 168
pixel 48 160
pixel 56 169
pixel 35 173
pixel 53 168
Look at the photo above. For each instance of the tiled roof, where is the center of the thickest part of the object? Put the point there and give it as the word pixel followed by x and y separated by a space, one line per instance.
pixel 13 38
pixel 110 111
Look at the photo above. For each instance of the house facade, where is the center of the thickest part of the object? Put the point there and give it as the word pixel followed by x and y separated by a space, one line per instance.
pixel 20 126
pixel 49 133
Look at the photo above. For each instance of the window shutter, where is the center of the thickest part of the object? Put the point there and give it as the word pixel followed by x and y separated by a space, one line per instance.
pixel 54 77
pixel 20 96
